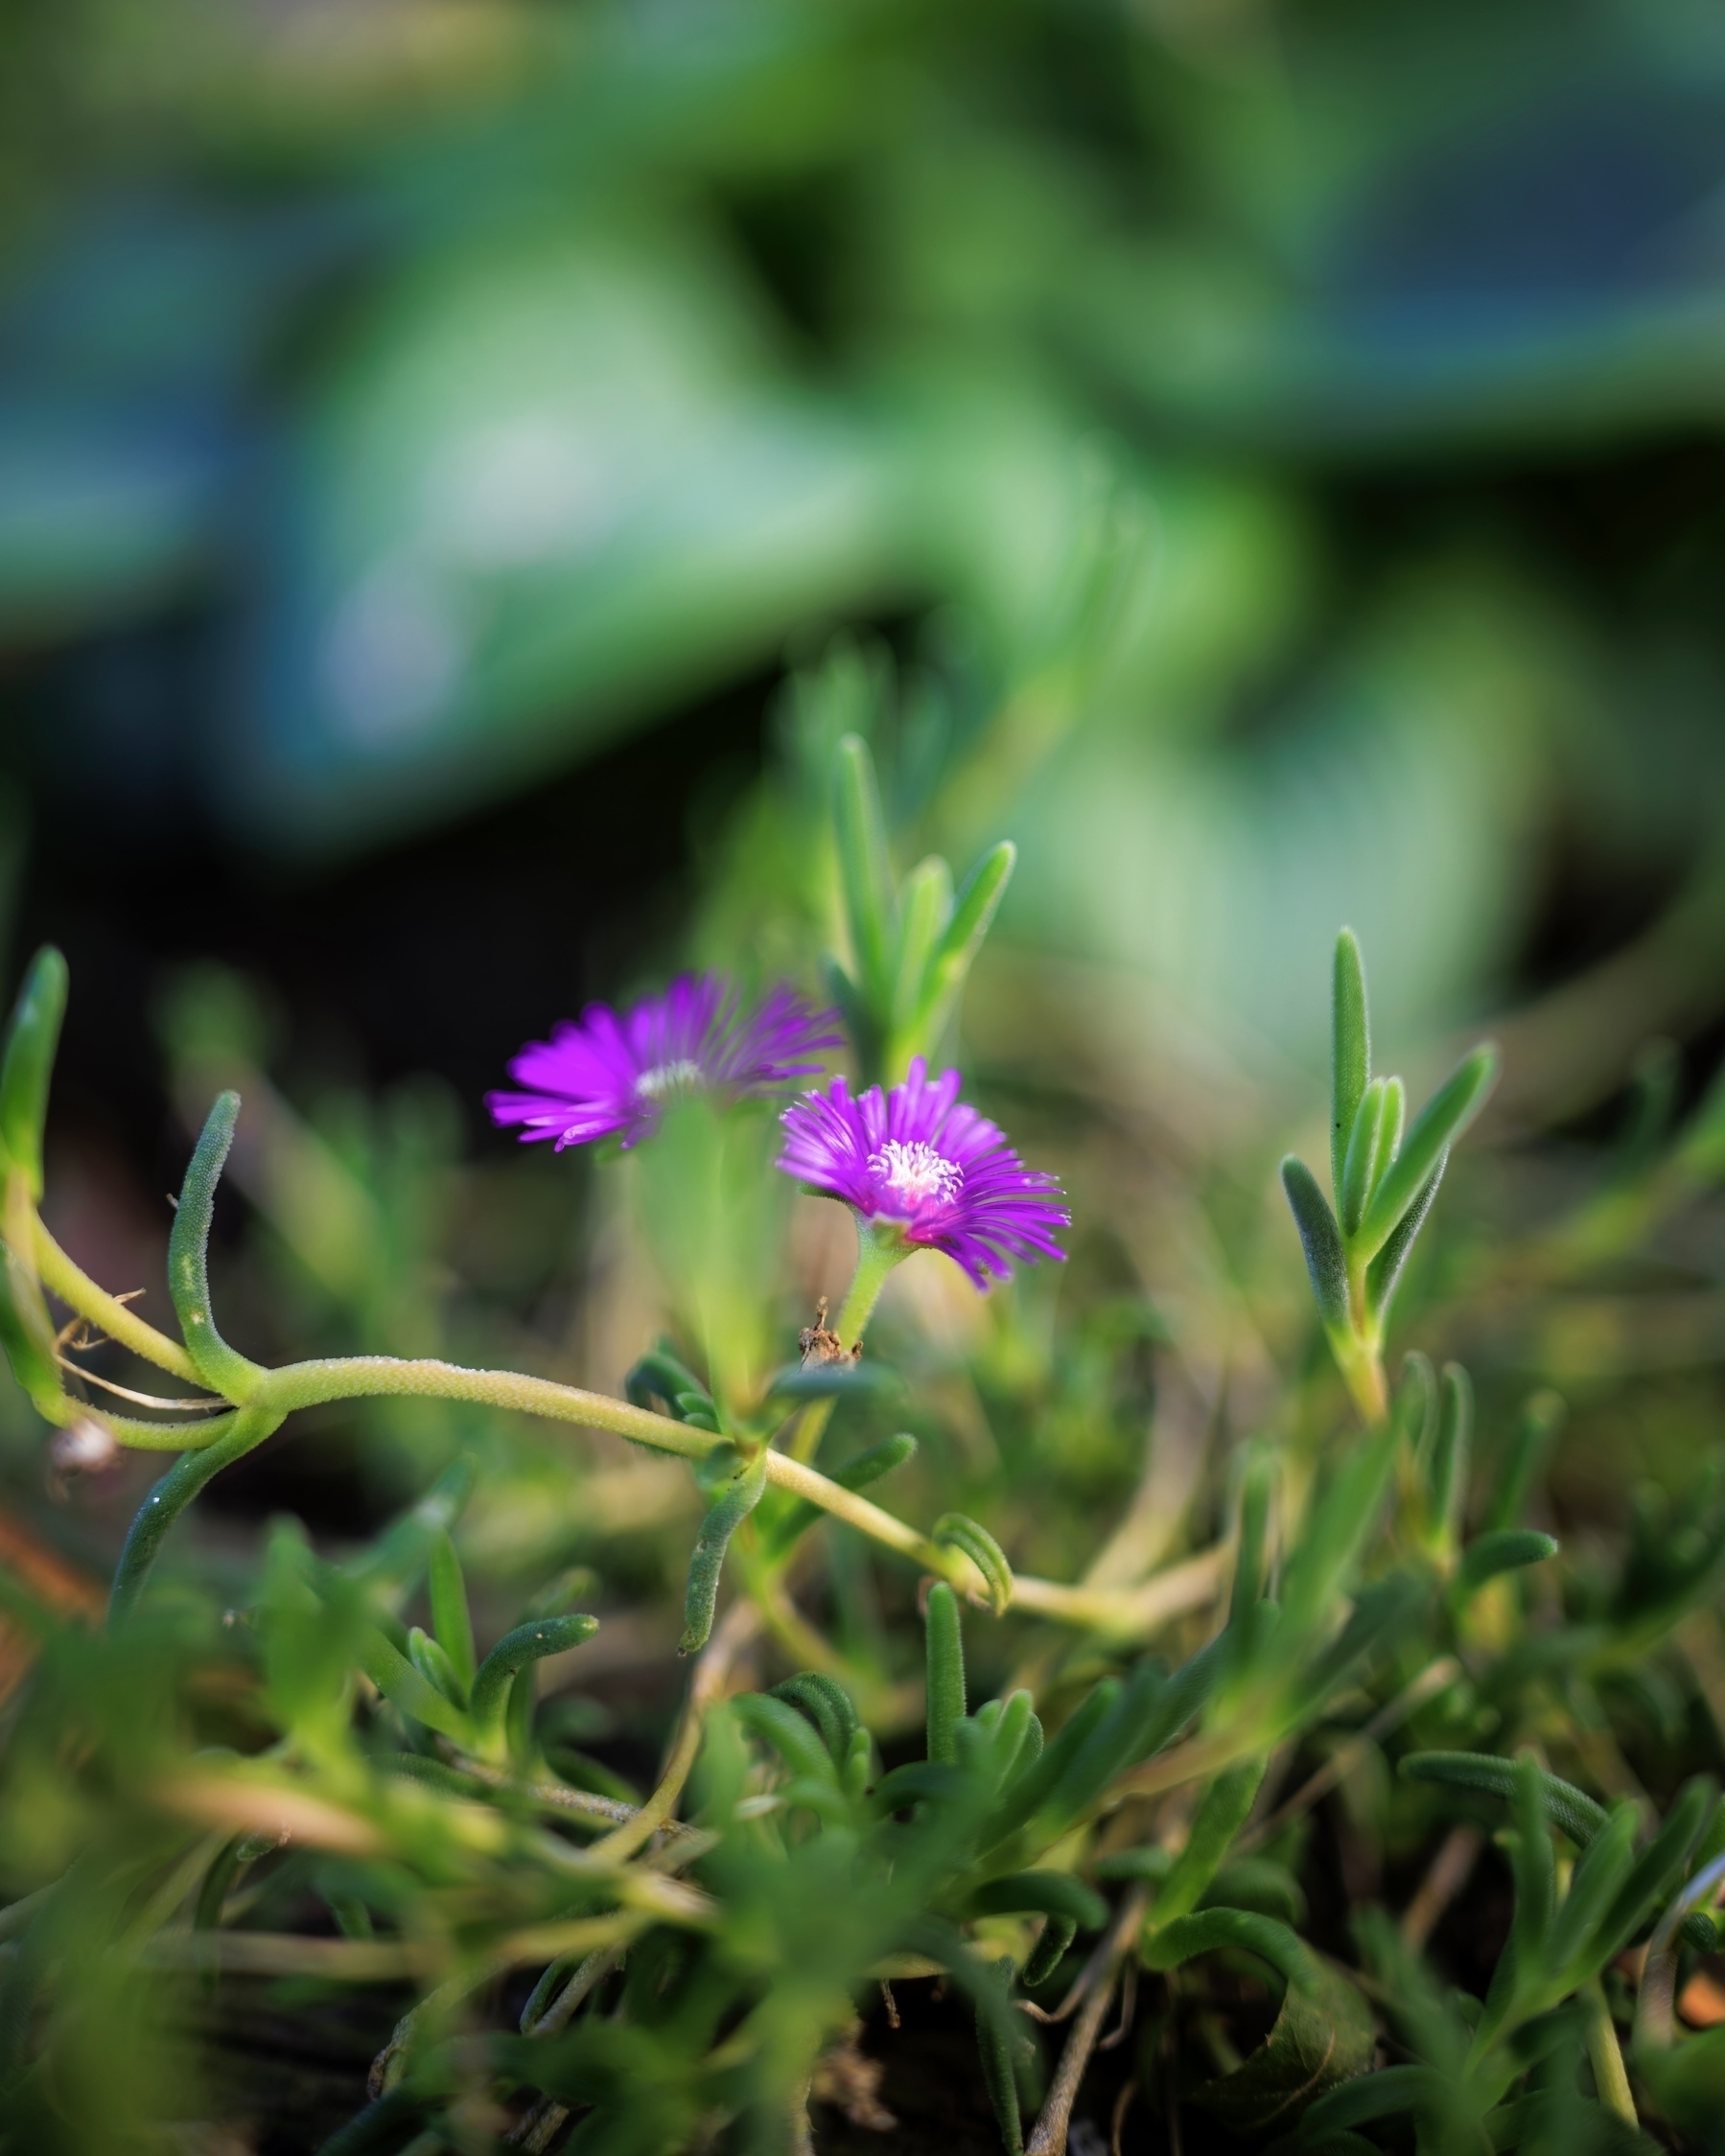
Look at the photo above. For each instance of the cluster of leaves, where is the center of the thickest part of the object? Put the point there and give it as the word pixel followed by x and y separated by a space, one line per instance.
pixel 331 1791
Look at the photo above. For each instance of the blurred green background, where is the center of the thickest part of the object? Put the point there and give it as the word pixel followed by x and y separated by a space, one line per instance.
pixel 1263 456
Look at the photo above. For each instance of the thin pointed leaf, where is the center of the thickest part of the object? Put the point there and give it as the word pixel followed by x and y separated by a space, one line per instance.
pixel 924 911
pixel 28 1065
pixel 791 1735
pixel 1660 1866
pixel 1384 1274
pixel 954 1531
pixel 1504 1549
pixel 1534 1865
pixel 1350 1048
pixel 946 1672
pixel 1049 1952
pixel 1597 1879
pixel 972 914
pixel 26 1330
pixel 1322 1240
pixel 735 1500
pixel 824 1701
pixel 1395 1124
pixel 1366 1156
pixel 221 1367
pixel 1417 1400
pixel 1046 1894
pixel 1220 1815
pixel 168 1498
pixel 1572 1809
pixel 451 1624
pixel 1257 1493
pixel 1440 1124
pixel 994 2042
pixel 435 1666
pixel 515 1652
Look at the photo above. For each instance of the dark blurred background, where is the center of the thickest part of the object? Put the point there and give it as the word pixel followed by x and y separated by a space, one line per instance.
pixel 434 433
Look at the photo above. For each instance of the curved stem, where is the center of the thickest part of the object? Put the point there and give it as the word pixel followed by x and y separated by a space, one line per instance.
pixel 74 1286
pixel 310 1384
pixel 167 1437
pixel 278 1393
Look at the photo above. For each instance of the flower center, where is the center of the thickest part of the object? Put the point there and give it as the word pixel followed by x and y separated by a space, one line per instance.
pixel 916 1172
pixel 665 1079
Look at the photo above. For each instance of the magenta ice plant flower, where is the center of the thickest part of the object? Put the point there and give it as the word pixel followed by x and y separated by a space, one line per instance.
pixel 611 1073
pixel 920 1161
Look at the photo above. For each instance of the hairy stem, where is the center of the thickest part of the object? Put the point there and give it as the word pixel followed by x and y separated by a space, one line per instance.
pixel 1130 1612
pixel 75 1287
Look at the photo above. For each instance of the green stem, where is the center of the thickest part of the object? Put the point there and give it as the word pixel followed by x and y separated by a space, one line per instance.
pixel 75 1287
pixel 877 1252
pixel 209 1446
pixel 170 1496
pixel 1609 2076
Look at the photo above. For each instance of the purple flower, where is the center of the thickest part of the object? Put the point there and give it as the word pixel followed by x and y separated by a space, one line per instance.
pixel 919 1158
pixel 611 1075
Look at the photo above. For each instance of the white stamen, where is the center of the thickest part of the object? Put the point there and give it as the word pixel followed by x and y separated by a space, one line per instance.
pixel 916 1172
pixel 680 1077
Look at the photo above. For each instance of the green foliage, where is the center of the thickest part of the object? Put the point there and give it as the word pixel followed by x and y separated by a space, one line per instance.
pixel 1383 1182
pixel 912 943
pixel 339 1772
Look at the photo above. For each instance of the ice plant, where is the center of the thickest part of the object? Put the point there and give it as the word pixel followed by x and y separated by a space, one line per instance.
pixel 611 1073
pixel 922 1170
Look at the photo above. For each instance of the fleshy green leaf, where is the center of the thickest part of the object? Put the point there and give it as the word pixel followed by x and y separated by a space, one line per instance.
pixel 435 1666
pixel 1366 1156
pixel 824 1701
pixel 1322 1240
pixel 1049 1894
pixel 1572 1809
pixel 28 1065
pixel 972 914
pixel 945 1643
pixel 1506 1549
pixel 924 910
pixel 1350 1049
pixel 1220 1815
pixel 26 1330
pixel 954 1531
pixel 791 1735
pixel 1440 1124
pixel 527 1643
pixel 1384 1274
pixel 220 1366
pixel 450 1623
pixel 1049 1952
pixel 1258 1482
pixel 737 1498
